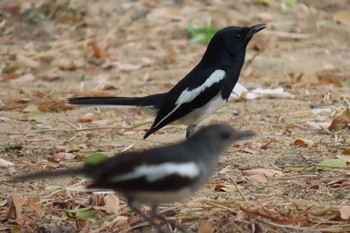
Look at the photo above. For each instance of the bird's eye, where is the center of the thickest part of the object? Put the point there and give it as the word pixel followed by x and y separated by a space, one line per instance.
pixel 225 135
pixel 238 35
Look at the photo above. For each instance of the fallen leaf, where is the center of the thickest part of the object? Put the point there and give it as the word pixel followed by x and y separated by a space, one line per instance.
pixel 81 213
pixel 262 2
pixel 342 121
pixel 257 178
pixel 303 142
pixel 87 118
pixel 346 152
pixel 263 171
pixel 342 17
pixel 205 228
pixel 10 76
pixel 3 203
pixel 120 221
pixel 38 116
pixel 95 158
pixel 31 108
pixel 27 62
pixel 51 75
pixel 18 201
pixel 23 78
pixel 11 170
pixel 273 191
pixel 53 105
pixel 267 143
pixel 36 207
pixel 62 156
pixel 345 157
pixel 65 64
pixel 328 164
pixel 5 163
pixel 40 94
pixel 97 51
pixel 225 188
pixel 127 67
pixel 345 212
pixel 112 203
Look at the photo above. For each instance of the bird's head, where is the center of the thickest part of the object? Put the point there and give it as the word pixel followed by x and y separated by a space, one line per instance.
pixel 219 137
pixel 234 39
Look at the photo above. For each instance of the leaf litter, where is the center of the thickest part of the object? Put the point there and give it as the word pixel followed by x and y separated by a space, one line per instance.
pixel 296 187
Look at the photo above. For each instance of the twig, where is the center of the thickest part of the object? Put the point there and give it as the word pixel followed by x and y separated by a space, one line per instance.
pixel 238 189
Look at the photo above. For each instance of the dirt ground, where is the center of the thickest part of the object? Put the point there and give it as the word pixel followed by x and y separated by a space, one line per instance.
pixel 53 50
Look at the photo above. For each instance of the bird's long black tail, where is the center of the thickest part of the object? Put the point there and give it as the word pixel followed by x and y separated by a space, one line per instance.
pixel 50 174
pixel 151 100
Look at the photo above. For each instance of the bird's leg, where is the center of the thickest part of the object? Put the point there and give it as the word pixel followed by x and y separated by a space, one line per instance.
pixel 191 129
pixel 156 214
pixel 150 219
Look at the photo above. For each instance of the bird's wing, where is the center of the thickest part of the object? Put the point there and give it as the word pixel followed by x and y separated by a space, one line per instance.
pixel 159 169
pixel 194 91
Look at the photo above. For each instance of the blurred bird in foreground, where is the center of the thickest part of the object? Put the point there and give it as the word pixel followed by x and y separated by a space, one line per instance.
pixel 158 175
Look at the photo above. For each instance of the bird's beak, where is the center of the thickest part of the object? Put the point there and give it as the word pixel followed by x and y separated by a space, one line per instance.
pixel 246 134
pixel 254 29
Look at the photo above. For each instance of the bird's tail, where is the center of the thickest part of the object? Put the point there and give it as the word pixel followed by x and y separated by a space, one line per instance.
pixel 50 174
pixel 146 101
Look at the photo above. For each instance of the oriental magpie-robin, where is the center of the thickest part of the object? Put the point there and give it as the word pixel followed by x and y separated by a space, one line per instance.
pixel 157 175
pixel 201 92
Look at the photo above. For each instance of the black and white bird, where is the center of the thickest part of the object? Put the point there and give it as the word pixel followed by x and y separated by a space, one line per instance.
pixel 201 92
pixel 158 175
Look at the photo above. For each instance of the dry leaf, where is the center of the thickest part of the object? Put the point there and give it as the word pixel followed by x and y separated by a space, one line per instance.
pixel 262 171
pixel 342 121
pixel 127 67
pixel 205 228
pixel 5 163
pixel 225 188
pixel 97 51
pixel 27 62
pixel 273 191
pixel 342 17
pixel 345 157
pixel 36 207
pixel 112 203
pixel 63 156
pixel 31 108
pixel 51 75
pixel 53 105
pixel 346 152
pixel 87 118
pixel 40 94
pixel 18 201
pixel 10 76
pixel 257 178
pixel 345 212
pixel 11 170
pixel 303 142
pixel 23 78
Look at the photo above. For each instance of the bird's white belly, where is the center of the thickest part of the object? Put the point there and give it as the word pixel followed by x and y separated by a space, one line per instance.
pixel 200 114
pixel 160 197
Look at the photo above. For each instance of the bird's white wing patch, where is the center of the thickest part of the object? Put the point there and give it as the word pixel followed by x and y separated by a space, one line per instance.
pixel 157 172
pixel 188 95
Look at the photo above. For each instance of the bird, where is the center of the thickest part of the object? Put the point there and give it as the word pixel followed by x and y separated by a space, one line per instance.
pixel 160 174
pixel 200 93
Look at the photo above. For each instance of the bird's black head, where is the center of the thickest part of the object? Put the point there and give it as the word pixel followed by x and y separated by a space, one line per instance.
pixel 233 39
